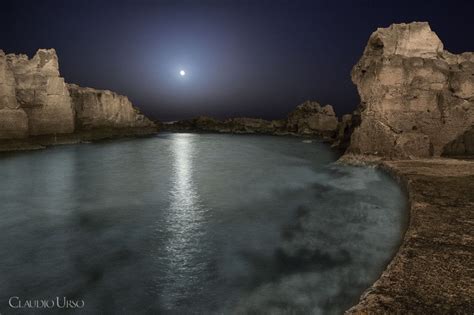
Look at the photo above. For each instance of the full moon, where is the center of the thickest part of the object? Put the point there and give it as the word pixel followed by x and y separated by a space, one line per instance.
pixel 182 73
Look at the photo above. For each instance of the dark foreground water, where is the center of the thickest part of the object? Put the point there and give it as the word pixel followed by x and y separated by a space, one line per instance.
pixel 192 224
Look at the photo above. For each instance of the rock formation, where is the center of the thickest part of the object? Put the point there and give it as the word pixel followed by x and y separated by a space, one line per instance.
pixel 13 119
pixel 310 118
pixel 36 102
pixel 42 93
pixel 231 125
pixel 417 100
pixel 97 109
pixel 345 129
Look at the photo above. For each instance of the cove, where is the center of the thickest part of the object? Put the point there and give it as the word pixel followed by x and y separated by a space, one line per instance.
pixel 195 223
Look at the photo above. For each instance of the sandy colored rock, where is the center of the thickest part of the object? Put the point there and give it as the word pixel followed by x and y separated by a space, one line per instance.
pixel 13 119
pixel 13 124
pixel 37 110
pixel 42 93
pixel 104 109
pixel 416 98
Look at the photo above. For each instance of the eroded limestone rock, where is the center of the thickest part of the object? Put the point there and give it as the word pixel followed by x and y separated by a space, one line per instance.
pixel 13 119
pixel 104 109
pixel 42 93
pixel 416 98
pixel 36 105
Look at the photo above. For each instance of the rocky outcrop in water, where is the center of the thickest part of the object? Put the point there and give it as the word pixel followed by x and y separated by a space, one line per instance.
pixel 242 125
pixel 311 118
pixel 417 100
pixel 308 119
pixel 13 119
pixel 36 103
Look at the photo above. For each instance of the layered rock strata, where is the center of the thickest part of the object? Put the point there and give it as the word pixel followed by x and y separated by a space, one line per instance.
pixel 36 104
pixel 417 99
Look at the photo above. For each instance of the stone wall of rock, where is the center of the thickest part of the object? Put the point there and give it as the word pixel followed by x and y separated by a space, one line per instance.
pixel 13 119
pixel 42 93
pixel 417 99
pixel 104 109
pixel 345 129
pixel 35 101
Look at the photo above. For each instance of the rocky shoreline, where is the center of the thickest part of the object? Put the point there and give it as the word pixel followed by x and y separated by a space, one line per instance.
pixel 84 136
pixel 417 108
pixel 432 271
pixel 309 119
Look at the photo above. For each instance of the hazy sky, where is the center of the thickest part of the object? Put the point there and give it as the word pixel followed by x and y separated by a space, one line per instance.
pixel 242 58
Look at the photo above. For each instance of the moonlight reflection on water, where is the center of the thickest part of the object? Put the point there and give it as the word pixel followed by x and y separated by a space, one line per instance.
pixel 183 222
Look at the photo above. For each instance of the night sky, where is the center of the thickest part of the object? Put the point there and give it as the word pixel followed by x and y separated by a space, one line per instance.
pixel 242 58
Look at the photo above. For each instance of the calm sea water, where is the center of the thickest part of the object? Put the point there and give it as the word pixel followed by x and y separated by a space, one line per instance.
pixel 193 224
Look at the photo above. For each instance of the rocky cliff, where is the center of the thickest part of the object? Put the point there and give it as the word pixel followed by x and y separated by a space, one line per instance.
pixel 13 119
pixel 35 102
pixel 42 93
pixel 34 99
pixel 104 109
pixel 417 100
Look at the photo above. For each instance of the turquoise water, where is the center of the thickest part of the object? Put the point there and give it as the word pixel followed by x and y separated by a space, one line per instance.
pixel 193 224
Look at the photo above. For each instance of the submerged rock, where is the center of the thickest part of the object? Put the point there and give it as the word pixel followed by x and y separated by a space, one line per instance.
pixel 417 100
